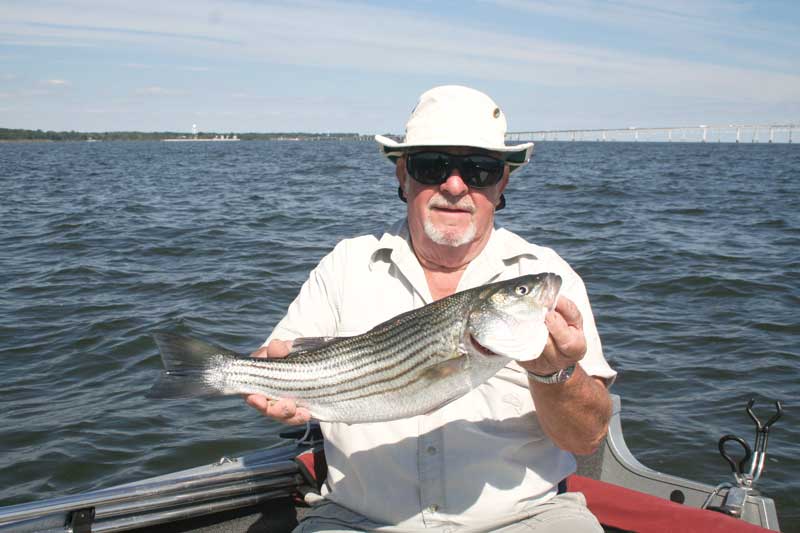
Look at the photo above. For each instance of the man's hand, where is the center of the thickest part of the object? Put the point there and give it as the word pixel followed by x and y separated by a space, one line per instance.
pixel 281 410
pixel 573 414
pixel 566 344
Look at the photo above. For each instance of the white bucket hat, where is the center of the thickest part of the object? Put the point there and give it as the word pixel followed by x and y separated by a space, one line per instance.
pixel 453 115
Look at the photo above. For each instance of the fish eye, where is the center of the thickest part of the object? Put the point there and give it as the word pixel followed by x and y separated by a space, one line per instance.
pixel 522 290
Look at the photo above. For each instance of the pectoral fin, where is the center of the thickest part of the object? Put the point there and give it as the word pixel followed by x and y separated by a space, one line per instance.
pixel 444 369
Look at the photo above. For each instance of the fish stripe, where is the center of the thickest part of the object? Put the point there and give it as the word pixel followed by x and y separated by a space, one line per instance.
pixel 398 367
pixel 372 388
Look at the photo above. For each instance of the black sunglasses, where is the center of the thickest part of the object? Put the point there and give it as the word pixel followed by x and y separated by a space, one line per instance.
pixel 433 168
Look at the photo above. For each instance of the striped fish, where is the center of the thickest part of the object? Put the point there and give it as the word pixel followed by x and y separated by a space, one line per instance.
pixel 406 366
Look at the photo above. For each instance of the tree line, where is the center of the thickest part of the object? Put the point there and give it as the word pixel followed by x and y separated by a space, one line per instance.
pixel 10 134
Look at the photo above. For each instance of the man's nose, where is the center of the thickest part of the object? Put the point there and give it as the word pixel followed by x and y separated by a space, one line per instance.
pixel 454 185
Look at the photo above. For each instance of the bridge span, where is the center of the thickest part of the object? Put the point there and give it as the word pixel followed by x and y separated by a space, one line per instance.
pixel 738 133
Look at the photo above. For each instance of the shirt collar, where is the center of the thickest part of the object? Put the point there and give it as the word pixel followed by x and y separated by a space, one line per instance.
pixel 395 240
pixel 394 248
pixel 502 249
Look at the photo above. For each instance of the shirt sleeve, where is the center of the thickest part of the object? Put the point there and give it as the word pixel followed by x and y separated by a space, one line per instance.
pixel 594 362
pixel 573 287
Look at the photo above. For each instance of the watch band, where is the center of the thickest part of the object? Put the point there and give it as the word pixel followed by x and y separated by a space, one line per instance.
pixel 557 377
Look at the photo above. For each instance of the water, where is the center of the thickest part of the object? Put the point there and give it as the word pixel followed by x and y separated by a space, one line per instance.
pixel 689 252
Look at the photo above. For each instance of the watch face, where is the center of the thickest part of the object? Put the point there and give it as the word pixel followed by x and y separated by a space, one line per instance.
pixel 568 372
pixel 559 377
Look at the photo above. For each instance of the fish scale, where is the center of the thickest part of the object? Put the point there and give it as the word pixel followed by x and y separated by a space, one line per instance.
pixel 409 365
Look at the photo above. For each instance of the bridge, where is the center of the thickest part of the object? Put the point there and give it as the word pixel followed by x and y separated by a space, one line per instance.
pixel 739 133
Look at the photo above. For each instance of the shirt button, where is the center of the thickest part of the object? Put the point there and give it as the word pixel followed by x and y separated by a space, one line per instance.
pixel 431 450
pixel 433 508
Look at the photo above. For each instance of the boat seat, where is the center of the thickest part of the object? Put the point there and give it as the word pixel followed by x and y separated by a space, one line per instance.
pixel 621 509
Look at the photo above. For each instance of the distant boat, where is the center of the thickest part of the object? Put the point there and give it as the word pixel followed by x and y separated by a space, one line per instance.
pixel 195 138
pixel 217 138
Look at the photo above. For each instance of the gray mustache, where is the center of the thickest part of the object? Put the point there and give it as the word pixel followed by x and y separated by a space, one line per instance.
pixel 442 203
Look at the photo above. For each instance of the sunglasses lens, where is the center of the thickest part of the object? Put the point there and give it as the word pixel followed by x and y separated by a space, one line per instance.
pixel 428 168
pixel 481 171
pixel 433 168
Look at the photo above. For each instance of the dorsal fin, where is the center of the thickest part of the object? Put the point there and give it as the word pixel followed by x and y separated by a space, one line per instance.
pixel 304 344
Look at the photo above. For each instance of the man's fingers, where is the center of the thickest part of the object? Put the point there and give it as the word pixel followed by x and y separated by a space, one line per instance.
pixel 301 417
pixel 565 324
pixel 567 309
pixel 278 348
pixel 257 402
pixel 285 411
pixel 550 360
pixel 275 348
pixel 568 340
pixel 261 352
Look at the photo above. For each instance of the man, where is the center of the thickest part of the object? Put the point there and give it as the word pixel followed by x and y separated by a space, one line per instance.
pixel 494 458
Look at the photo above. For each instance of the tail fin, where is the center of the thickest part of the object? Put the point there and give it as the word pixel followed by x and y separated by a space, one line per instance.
pixel 188 367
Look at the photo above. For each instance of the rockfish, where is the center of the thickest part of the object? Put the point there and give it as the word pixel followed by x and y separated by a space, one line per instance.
pixel 409 365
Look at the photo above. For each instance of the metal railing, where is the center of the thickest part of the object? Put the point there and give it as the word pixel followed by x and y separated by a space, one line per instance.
pixel 737 133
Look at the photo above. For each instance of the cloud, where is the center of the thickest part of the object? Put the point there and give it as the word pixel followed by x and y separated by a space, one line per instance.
pixel 57 83
pixel 6 41
pixel 676 19
pixel 33 93
pixel 356 36
pixel 626 57
pixel 159 91
pixel 111 110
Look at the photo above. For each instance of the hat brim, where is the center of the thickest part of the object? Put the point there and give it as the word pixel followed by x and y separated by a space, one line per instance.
pixel 515 155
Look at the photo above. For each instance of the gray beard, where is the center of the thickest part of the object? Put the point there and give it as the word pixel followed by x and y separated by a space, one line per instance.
pixel 439 237
pixel 443 239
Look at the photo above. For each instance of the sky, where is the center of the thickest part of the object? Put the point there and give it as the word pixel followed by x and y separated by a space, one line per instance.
pixel 357 66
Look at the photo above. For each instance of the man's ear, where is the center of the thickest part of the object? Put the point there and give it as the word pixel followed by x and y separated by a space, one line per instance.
pixel 504 181
pixel 501 186
pixel 400 171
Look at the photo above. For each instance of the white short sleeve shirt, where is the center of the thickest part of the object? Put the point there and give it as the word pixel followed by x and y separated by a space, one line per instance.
pixel 479 458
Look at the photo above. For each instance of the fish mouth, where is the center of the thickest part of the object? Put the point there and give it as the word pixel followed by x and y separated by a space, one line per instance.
pixel 483 350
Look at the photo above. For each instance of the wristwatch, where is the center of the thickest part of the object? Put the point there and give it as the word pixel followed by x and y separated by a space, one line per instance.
pixel 557 377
